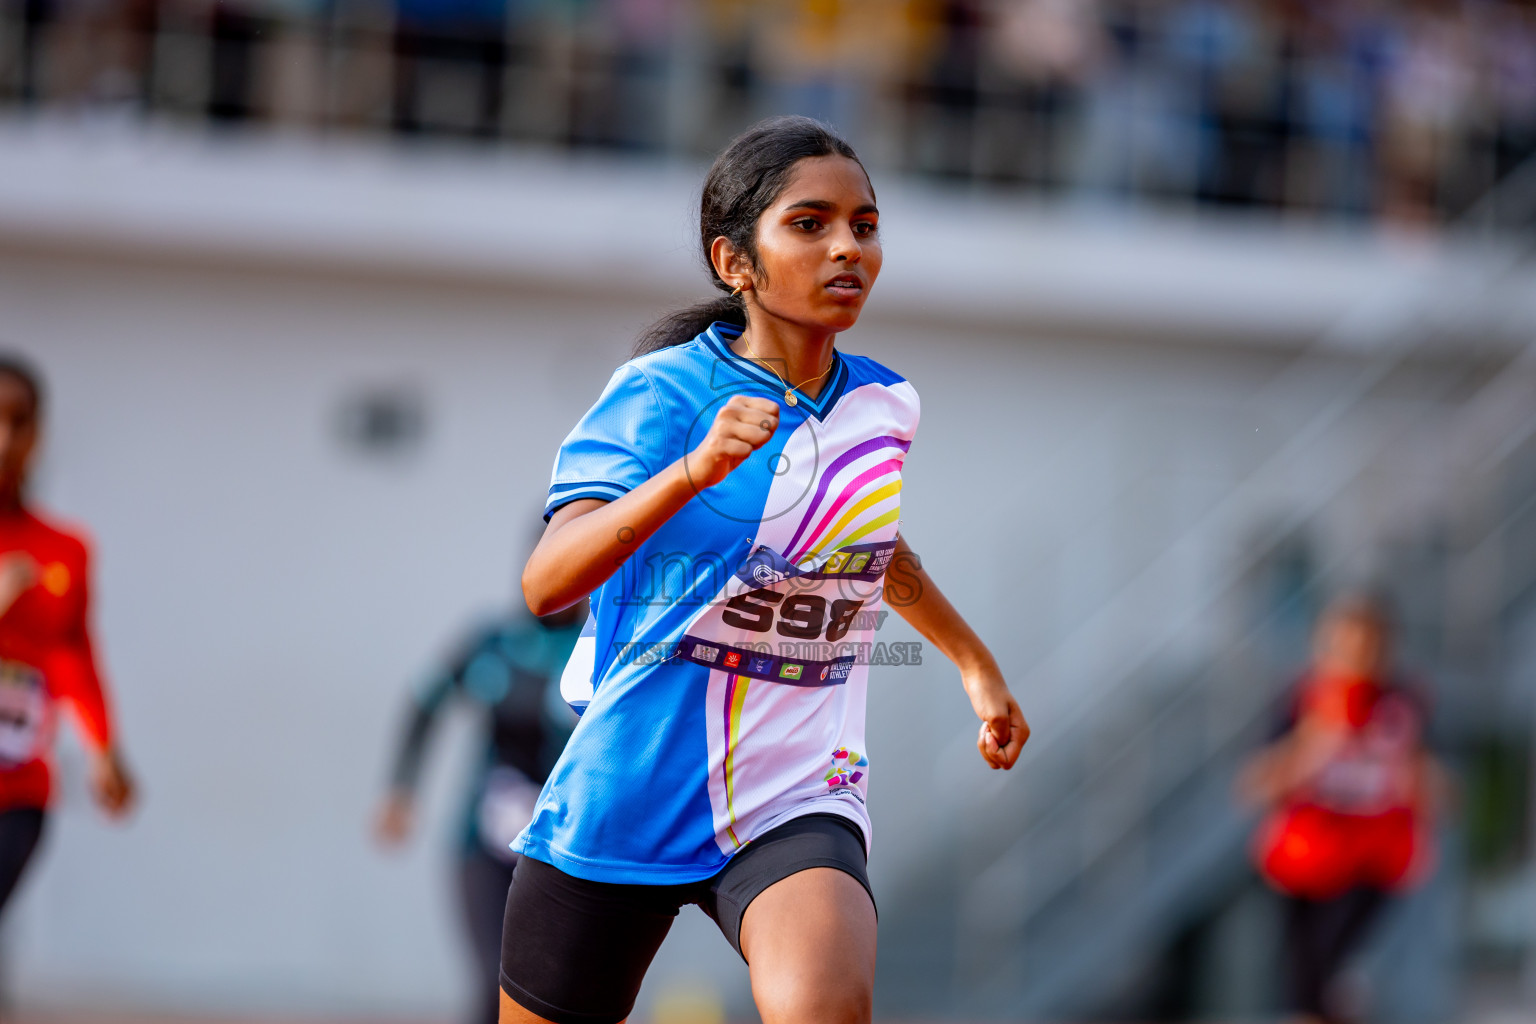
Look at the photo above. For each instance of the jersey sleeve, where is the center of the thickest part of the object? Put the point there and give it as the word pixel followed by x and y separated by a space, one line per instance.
pixel 74 667
pixel 618 445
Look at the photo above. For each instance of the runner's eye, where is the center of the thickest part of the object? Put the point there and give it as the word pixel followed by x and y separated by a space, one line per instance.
pixel 806 224
pixel 865 228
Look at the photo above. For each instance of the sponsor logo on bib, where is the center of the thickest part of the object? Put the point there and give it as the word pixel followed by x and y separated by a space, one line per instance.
pixel 767 575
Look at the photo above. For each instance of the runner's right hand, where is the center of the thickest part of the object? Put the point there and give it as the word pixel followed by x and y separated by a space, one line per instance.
pixel 111 783
pixel 396 817
pixel 742 426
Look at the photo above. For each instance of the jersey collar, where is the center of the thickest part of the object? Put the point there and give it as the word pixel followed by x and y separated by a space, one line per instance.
pixel 719 337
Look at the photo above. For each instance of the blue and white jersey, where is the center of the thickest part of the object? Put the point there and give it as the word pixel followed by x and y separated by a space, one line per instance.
pixel 728 657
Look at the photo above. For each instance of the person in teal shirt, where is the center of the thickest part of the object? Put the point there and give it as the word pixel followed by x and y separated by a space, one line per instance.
pixel 509 670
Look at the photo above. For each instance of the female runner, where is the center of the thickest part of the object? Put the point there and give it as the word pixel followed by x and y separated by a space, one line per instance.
pixel 45 644
pixel 731 505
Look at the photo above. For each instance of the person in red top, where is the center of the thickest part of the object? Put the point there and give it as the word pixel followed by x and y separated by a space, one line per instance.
pixel 1352 796
pixel 45 644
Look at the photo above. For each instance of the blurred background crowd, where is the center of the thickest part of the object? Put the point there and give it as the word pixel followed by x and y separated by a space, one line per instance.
pixel 1357 108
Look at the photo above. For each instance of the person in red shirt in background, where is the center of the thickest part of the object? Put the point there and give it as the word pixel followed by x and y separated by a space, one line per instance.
pixel 1352 796
pixel 45 644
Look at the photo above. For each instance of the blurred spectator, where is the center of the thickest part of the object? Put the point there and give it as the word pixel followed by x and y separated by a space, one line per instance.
pixel 235 32
pixel 1353 796
pixel 1350 108
pixel 623 72
pixel 455 49
pixel 1333 60
pixel 799 57
pixel 1511 62
pixel 1043 51
pixel 944 93
pixel 727 78
pixel 1228 58
pixel 1137 133
pixel 509 670
pixel 1428 103
pixel 86 51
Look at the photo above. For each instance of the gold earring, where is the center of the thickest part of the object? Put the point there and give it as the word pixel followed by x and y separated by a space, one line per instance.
pixel 739 289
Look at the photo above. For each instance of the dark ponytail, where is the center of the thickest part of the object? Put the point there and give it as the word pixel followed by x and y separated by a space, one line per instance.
pixel 683 325
pixel 745 180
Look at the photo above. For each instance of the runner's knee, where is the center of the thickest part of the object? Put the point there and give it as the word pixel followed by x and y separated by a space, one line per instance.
pixel 827 997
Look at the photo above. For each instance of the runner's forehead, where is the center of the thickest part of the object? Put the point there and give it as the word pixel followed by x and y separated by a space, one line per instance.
pixel 822 181
pixel 16 397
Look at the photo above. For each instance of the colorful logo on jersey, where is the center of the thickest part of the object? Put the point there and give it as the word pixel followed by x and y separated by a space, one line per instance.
pixel 704 652
pixel 760 665
pixel 825 670
pixel 836 562
pixel 55 578
pixel 845 770
pixel 857 562
pixel 732 659
pixel 791 671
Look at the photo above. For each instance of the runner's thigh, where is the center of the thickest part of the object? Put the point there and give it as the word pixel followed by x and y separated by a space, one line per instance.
pixel 809 941
pixel 574 951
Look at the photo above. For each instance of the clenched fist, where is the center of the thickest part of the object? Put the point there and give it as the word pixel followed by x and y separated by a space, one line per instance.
pixel 742 426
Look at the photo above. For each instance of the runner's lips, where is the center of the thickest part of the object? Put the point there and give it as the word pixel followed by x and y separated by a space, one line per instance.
pixel 846 283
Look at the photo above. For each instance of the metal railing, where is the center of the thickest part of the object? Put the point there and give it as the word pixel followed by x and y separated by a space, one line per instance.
pixel 1146 100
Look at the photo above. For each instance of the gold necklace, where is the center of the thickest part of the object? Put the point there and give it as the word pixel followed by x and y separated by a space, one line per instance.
pixel 789 389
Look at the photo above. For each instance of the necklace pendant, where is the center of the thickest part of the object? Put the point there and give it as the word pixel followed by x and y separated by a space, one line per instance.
pixel 790 399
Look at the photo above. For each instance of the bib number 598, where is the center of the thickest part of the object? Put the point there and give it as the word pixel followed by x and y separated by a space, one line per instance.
pixel 801 616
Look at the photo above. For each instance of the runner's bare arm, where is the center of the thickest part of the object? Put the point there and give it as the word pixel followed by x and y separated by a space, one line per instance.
pixel 77 679
pixel 18 571
pixel 914 595
pixel 587 540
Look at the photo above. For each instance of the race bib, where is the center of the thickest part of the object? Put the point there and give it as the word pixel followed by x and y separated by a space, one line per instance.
pixel 782 623
pixel 23 705
pixel 1375 770
pixel 1356 785
pixel 772 621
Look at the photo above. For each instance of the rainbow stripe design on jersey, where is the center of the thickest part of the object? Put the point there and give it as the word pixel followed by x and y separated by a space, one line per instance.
pixel 878 488
pixel 735 697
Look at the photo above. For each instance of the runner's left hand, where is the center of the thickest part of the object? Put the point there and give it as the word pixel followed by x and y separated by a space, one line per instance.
pixel 1003 728
pixel 111 784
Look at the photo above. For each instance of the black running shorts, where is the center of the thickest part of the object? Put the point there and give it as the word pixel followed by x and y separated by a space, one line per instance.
pixel 575 951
